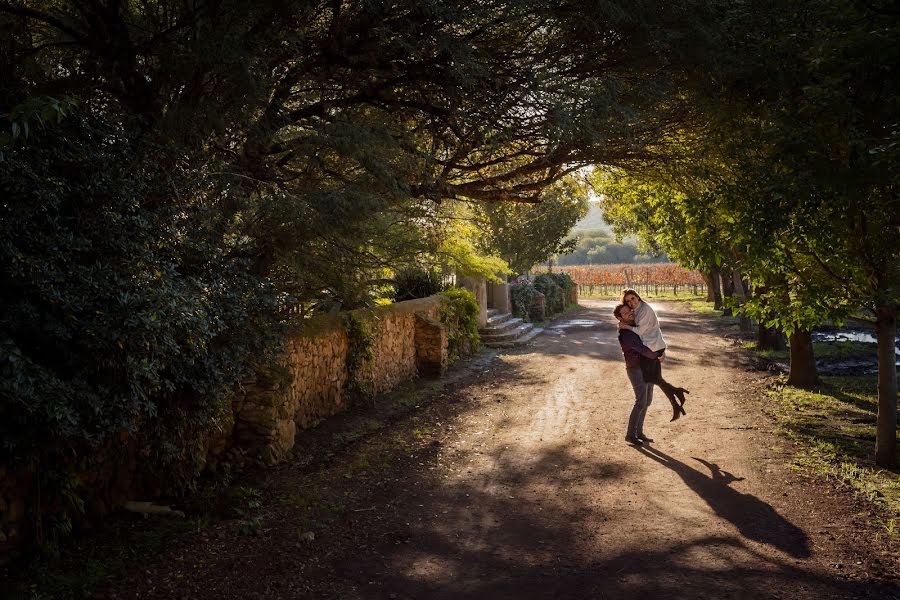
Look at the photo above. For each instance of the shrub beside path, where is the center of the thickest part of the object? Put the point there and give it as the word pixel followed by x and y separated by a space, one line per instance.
pixel 515 482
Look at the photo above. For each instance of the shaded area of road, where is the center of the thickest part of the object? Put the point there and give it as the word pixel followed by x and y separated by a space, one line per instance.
pixel 517 483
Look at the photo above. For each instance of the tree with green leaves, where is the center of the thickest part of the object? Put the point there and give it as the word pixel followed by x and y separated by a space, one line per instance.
pixel 528 234
pixel 829 164
pixel 797 173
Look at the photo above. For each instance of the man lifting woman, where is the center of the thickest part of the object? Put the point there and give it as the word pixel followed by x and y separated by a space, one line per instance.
pixel 644 348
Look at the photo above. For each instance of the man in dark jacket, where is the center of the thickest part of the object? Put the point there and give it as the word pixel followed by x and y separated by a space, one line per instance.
pixel 643 368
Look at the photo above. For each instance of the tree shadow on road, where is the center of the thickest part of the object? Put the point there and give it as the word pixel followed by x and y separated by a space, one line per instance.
pixel 489 539
pixel 755 519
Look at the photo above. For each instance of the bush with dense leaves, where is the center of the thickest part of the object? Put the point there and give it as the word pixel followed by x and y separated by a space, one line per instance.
pixel 522 294
pixel 557 288
pixel 121 312
pixel 415 282
pixel 460 314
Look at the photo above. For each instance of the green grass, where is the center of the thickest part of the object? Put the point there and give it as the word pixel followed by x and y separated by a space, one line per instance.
pixel 843 350
pixel 773 355
pixel 703 308
pixel 832 351
pixel 833 429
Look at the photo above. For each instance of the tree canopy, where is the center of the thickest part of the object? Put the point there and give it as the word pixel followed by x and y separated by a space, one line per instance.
pixel 793 176
pixel 181 177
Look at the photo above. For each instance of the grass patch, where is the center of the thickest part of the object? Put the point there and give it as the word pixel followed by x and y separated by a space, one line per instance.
pixel 773 355
pixel 703 308
pixel 830 351
pixel 833 429
pixel 844 350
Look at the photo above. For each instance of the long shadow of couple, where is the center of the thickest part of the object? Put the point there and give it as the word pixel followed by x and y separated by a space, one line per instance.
pixel 755 519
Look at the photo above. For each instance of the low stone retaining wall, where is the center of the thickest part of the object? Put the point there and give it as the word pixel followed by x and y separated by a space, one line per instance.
pixel 312 383
pixel 406 340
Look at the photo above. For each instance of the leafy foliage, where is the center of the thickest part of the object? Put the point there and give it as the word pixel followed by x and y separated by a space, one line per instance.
pixel 528 234
pixel 416 282
pixel 360 341
pixel 120 313
pixel 556 288
pixel 456 249
pixel 460 314
pixel 522 294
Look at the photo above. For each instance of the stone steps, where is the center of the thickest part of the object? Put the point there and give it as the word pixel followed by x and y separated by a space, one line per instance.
pixel 505 331
pixel 499 327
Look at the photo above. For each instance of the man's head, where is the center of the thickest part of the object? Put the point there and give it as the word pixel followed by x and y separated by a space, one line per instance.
pixel 624 313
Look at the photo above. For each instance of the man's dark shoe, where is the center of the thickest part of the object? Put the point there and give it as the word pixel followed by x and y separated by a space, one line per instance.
pixel 646 439
pixel 633 440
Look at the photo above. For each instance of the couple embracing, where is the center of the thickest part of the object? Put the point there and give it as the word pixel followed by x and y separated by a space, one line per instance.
pixel 644 349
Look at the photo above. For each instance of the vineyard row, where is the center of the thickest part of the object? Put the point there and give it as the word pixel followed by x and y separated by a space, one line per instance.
pixel 645 279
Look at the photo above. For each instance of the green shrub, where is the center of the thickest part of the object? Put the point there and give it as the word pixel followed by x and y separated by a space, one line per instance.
pixel 567 284
pixel 556 288
pixel 121 312
pixel 546 284
pixel 522 295
pixel 415 282
pixel 460 315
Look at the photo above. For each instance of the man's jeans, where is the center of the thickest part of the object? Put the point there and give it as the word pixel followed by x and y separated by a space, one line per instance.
pixel 643 396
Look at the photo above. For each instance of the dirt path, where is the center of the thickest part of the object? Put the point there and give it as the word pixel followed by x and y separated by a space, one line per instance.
pixel 517 483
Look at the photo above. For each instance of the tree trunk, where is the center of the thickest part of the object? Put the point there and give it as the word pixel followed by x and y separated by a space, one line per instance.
pixel 707 280
pixel 740 292
pixel 886 425
pixel 737 281
pixel 727 292
pixel 713 288
pixel 803 362
pixel 769 338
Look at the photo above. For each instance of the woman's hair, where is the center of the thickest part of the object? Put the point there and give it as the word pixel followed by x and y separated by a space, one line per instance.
pixel 630 291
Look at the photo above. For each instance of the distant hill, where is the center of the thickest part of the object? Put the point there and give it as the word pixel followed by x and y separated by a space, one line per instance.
pixel 593 221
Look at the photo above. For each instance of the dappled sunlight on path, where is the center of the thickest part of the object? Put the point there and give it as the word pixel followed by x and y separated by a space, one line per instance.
pixel 517 483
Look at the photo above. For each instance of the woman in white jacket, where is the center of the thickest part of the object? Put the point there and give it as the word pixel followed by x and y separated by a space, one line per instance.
pixel 646 322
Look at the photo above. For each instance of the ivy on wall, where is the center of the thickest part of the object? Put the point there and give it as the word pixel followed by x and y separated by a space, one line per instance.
pixel 360 341
pixel 460 314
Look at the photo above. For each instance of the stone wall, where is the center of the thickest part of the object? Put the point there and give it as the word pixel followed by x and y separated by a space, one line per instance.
pixel 317 383
pixel 311 384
